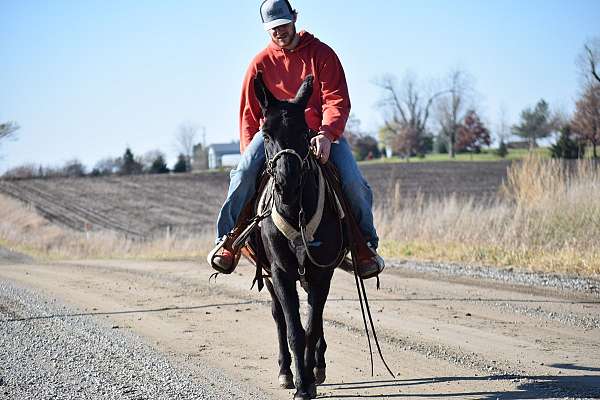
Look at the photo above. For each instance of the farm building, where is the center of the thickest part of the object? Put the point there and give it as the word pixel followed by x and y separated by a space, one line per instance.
pixel 223 155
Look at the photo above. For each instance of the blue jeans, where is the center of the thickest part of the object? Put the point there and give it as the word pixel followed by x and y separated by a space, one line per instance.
pixel 242 186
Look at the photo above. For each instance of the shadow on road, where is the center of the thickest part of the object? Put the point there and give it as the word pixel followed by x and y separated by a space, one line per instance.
pixel 149 310
pixel 331 300
pixel 528 387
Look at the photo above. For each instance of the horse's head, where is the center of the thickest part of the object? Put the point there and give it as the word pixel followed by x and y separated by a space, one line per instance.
pixel 286 137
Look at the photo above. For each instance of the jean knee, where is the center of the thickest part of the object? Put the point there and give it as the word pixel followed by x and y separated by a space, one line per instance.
pixel 356 185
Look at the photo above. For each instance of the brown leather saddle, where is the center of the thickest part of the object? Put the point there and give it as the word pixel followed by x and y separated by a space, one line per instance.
pixel 239 240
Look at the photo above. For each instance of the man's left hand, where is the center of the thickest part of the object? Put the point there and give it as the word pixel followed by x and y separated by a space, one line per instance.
pixel 321 146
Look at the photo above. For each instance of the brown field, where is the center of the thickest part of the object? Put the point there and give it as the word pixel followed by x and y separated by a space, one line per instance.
pixel 535 214
pixel 144 206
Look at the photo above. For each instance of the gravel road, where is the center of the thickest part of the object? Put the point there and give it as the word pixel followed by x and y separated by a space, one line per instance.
pixel 160 330
pixel 45 355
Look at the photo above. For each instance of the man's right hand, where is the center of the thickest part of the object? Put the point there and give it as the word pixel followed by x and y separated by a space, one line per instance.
pixel 321 146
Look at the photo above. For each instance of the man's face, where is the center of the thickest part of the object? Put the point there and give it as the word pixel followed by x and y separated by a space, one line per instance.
pixel 283 35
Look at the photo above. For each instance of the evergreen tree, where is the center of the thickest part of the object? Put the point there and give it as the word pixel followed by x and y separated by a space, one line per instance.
pixel 159 166
pixel 566 147
pixel 502 150
pixel 535 124
pixel 181 164
pixel 129 166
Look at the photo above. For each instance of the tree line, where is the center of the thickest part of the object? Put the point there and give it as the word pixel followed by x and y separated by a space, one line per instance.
pixel 151 162
pixel 419 118
pixel 442 116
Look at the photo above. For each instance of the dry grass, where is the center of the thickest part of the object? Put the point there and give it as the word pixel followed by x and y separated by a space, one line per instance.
pixel 23 230
pixel 546 218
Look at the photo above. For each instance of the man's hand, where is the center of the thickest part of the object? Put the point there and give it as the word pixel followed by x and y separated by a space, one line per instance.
pixel 321 146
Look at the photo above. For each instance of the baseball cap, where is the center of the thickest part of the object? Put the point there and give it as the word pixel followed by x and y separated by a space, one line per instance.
pixel 275 13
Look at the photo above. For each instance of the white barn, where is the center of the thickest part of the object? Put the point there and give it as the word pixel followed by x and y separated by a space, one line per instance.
pixel 223 155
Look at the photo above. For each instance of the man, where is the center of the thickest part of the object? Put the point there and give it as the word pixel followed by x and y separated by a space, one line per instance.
pixel 285 62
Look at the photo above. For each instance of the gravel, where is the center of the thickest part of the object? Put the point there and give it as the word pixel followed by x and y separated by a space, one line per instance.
pixel 79 358
pixel 509 276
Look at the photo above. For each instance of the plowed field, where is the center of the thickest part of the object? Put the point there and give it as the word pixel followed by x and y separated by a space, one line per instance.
pixel 142 206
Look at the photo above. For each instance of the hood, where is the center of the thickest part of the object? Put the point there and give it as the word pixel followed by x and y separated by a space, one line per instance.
pixel 305 40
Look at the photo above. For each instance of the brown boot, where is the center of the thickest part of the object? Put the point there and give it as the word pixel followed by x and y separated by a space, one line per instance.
pixel 222 259
pixel 370 264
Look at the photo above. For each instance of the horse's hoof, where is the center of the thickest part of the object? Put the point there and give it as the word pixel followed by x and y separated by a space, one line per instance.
pixel 319 375
pixel 312 391
pixel 286 381
pixel 310 394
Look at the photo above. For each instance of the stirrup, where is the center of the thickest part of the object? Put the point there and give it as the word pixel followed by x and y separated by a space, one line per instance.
pixel 211 256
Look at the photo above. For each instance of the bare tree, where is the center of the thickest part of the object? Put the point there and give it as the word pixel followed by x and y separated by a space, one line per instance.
pixel 148 158
pixel 407 112
pixel 184 141
pixel 352 132
pixel 589 60
pixel 502 125
pixel 452 108
pixel 7 131
pixel 107 166
pixel 586 120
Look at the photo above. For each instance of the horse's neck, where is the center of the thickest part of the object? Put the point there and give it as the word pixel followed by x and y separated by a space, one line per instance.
pixel 308 202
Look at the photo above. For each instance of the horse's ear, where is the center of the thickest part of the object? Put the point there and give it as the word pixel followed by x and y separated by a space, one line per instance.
pixel 304 92
pixel 264 96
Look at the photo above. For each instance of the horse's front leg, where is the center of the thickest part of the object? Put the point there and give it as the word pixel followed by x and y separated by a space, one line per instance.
pixel 285 289
pixel 285 377
pixel 317 296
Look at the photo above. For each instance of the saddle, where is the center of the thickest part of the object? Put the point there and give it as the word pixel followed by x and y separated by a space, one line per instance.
pixel 241 241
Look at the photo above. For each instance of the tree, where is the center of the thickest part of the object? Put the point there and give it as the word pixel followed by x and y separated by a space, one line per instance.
pixel 535 124
pixel 586 120
pixel 589 60
pixel 352 131
pixel 362 144
pixel 73 168
pixel 184 139
pixel 159 166
pixel 148 159
pixel 366 147
pixel 502 150
pixel 129 166
pixel 472 134
pixel 566 146
pixel 107 166
pixel 452 107
pixel 408 112
pixel 7 129
pixel 180 165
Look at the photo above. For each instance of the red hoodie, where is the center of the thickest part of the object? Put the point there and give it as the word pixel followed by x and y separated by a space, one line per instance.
pixel 283 72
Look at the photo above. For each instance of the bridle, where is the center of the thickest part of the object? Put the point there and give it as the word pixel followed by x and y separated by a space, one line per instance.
pixel 304 165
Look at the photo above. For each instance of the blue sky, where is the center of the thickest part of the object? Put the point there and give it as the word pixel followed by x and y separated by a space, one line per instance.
pixel 84 79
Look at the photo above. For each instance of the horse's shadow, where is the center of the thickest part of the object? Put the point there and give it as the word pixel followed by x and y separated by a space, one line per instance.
pixel 528 387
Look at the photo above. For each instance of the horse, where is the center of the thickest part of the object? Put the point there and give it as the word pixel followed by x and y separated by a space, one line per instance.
pixel 295 197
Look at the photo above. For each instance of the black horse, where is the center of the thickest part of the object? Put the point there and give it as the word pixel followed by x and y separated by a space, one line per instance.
pixel 295 180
